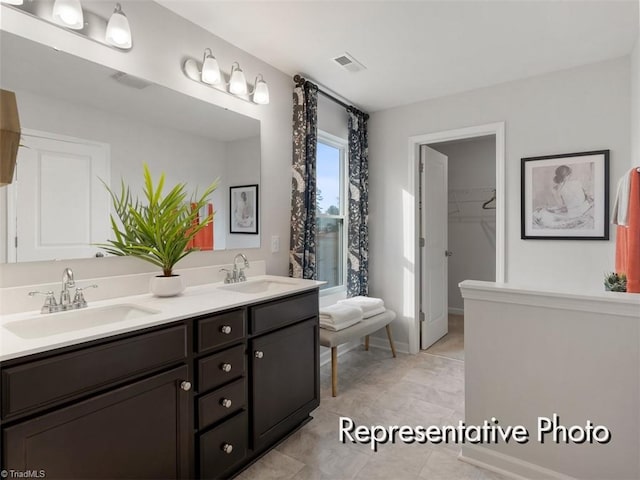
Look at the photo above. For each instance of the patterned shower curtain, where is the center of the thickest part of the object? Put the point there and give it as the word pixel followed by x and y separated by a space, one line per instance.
pixel 302 256
pixel 358 241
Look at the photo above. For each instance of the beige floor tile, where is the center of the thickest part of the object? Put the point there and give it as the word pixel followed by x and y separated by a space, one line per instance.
pixel 272 466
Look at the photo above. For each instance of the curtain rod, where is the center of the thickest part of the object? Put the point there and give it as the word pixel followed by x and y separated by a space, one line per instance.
pixel 300 81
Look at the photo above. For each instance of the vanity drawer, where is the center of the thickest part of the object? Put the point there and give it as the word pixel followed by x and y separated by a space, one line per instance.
pixel 214 460
pixel 221 403
pixel 269 316
pixel 47 382
pixel 219 330
pixel 212 370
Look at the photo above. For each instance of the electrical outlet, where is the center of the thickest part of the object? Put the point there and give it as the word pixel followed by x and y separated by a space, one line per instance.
pixel 275 244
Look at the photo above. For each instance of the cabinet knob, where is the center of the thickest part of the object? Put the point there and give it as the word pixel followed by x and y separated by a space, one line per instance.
pixel 226 329
pixel 186 386
pixel 225 402
pixel 227 448
pixel 259 354
pixel 225 367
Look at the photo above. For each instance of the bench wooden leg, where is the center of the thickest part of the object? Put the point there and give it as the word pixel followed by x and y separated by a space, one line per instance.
pixel 366 343
pixel 334 371
pixel 393 349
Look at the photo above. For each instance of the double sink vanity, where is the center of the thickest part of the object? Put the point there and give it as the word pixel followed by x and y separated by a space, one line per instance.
pixel 194 386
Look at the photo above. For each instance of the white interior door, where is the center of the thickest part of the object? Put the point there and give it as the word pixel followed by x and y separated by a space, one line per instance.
pixel 434 302
pixel 63 208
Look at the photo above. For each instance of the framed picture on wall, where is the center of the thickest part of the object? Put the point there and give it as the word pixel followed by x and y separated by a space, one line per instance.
pixel 565 197
pixel 243 209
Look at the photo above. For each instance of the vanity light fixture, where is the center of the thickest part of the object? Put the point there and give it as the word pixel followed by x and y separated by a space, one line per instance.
pixel 210 68
pixel 68 13
pixel 260 91
pixel 118 30
pixel 12 2
pixel 209 73
pixel 237 82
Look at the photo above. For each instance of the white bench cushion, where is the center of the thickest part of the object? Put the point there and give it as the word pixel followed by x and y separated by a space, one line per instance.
pixel 359 330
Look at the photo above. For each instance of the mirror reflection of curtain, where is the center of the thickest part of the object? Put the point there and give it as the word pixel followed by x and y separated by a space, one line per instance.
pixel 358 241
pixel 302 256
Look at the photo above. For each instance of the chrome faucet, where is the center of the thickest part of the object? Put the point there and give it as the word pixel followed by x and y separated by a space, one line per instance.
pixel 67 281
pixel 238 273
pixel 50 305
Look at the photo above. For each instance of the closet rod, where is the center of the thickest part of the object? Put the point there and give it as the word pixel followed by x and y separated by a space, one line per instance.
pixel 300 81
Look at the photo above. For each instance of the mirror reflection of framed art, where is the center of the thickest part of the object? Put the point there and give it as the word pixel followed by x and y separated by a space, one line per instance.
pixel 243 209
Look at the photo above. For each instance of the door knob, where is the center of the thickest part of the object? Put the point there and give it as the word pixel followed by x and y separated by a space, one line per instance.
pixel 259 354
pixel 225 402
pixel 448 253
pixel 186 386
pixel 226 367
pixel 227 448
pixel 226 329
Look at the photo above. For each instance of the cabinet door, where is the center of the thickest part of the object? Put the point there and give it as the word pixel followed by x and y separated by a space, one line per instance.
pixel 137 431
pixel 285 380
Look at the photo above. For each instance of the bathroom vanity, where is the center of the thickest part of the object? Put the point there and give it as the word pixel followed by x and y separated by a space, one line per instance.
pixel 200 396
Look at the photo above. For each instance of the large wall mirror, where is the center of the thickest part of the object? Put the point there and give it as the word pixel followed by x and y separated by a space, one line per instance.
pixel 83 123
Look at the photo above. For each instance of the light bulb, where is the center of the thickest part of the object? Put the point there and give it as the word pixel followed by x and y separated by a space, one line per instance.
pixel 12 2
pixel 237 82
pixel 118 31
pixel 68 13
pixel 210 68
pixel 261 92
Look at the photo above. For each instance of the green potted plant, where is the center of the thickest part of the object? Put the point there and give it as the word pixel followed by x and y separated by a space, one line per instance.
pixel 157 229
pixel 614 282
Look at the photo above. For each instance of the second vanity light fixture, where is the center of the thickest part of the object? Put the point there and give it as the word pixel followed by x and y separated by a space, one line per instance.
pixel 209 73
pixel 69 14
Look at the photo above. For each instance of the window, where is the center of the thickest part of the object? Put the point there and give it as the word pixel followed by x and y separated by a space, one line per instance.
pixel 331 202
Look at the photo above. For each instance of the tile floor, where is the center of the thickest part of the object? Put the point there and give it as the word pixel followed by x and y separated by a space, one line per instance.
pixel 376 389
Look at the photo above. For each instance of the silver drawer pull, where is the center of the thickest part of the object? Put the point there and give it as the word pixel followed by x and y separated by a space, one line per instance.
pixel 225 367
pixel 226 329
pixel 225 402
pixel 186 386
pixel 259 354
pixel 227 448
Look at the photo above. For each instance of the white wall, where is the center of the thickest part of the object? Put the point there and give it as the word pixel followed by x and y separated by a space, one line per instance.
pixel 162 40
pixel 472 230
pixel 580 109
pixel 635 100
pixel 523 360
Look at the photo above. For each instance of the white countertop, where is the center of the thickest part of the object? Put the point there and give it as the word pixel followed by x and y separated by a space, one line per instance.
pixel 197 300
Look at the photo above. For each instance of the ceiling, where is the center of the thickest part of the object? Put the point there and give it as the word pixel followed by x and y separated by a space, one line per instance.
pixel 416 50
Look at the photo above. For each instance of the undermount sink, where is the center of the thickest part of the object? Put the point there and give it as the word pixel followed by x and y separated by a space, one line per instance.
pixel 45 325
pixel 258 286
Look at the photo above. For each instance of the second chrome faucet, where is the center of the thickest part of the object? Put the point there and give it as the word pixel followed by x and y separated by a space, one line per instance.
pixel 65 303
pixel 237 274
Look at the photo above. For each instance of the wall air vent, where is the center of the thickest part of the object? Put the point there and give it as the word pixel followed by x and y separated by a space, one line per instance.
pixel 130 80
pixel 349 63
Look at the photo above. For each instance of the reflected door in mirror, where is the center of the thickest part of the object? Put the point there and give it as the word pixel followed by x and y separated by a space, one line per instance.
pixel 60 206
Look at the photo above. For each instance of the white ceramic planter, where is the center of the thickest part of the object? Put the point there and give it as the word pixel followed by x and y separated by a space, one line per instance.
pixel 167 286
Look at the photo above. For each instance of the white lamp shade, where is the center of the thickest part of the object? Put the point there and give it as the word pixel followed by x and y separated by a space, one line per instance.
pixel 261 93
pixel 68 13
pixel 12 2
pixel 237 83
pixel 118 29
pixel 210 70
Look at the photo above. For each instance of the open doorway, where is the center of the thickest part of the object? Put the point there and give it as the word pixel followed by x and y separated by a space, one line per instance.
pixel 470 240
pixel 417 145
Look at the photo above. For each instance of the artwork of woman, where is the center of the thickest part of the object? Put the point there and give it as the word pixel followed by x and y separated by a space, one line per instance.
pixel 573 206
pixel 243 213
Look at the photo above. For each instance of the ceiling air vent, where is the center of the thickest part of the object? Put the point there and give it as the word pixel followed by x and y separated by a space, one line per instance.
pixel 130 80
pixel 349 63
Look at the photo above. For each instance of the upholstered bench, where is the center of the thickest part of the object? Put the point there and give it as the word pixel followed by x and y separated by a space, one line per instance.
pixel 361 329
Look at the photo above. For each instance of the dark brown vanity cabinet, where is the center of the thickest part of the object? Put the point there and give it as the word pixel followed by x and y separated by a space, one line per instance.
pixel 197 398
pixel 115 410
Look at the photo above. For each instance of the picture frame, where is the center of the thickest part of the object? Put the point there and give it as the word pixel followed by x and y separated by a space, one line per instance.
pixel 243 209
pixel 565 197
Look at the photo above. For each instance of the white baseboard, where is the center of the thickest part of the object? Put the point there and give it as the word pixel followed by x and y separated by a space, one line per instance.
pixel 507 465
pixel 383 343
pixel 456 311
pixel 325 353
